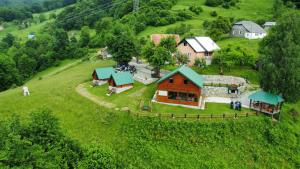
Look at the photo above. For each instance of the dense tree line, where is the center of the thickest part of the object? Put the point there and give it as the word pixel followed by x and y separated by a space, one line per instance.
pixel 223 3
pixel 280 58
pixel 25 11
pixel 19 62
pixel 151 13
pixel 40 143
pixel 9 14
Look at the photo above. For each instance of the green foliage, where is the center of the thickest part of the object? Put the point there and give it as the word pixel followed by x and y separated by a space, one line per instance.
pixel 280 57
pixel 8 73
pixel 213 14
pixel 9 39
pixel 98 157
pixel 38 144
pixel 201 63
pixel 122 43
pixel 225 3
pixel 160 55
pixel 229 57
pixel 218 28
pixel 180 29
pixel 155 143
pixel 181 58
pixel 84 37
pixel 196 9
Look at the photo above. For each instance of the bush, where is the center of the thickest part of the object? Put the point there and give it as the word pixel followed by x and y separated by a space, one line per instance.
pixel 213 3
pixel 196 9
pixel 213 14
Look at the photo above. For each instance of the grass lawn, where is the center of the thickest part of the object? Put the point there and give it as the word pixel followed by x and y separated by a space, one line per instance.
pixel 133 97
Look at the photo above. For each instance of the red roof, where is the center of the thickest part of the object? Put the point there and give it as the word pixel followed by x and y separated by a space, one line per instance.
pixel 156 38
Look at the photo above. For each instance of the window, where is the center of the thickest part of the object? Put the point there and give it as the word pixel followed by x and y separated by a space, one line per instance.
pixel 172 95
pixel 185 43
pixel 185 81
pixel 206 53
pixel 171 80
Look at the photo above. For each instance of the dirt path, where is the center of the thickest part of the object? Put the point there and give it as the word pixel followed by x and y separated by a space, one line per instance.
pixel 138 93
pixel 80 89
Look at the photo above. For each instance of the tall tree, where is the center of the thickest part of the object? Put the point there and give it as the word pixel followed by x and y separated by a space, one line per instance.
pixel 280 57
pixel 9 39
pixel 122 44
pixel 8 73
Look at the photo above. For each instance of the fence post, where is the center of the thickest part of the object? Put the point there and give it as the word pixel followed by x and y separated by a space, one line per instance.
pixel 235 115
pixel 172 115
pixel 137 114
pixel 211 116
pixel 256 113
pixel 224 116
pixel 185 116
pixel 246 114
pixel 198 116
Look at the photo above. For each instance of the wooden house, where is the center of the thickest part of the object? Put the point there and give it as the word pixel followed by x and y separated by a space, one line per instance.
pixel 198 48
pixel 265 102
pixel 180 87
pixel 101 75
pixel 120 82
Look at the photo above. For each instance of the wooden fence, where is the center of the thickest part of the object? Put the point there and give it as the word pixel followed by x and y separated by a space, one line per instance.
pixel 196 116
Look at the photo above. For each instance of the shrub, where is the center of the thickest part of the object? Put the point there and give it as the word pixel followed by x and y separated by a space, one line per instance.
pixel 213 3
pixel 196 9
pixel 214 14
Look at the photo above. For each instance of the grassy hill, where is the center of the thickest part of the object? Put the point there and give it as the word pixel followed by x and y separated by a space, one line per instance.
pixel 35 27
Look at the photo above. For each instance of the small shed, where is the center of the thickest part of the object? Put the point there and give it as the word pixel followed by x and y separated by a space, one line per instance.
pixel 266 102
pixel 101 75
pixel 120 82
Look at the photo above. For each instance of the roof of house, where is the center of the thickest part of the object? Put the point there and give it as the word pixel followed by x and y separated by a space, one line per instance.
pixel 270 24
pixel 186 72
pixel 266 97
pixel 104 73
pixel 156 38
pixel 251 26
pixel 122 78
pixel 202 44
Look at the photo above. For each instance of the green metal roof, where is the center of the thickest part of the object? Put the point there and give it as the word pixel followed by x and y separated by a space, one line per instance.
pixel 265 97
pixel 104 73
pixel 186 72
pixel 122 78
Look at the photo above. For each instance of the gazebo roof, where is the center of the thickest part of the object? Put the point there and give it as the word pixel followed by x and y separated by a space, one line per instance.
pixel 265 97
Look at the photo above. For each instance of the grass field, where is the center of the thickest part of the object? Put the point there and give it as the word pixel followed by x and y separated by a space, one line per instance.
pixel 21 34
pixel 140 93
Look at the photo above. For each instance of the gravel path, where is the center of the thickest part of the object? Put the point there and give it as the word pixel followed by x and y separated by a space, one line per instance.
pixel 80 89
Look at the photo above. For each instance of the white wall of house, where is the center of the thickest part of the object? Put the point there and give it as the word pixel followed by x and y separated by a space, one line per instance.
pixel 255 35
pixel 119 90
pixel 99 82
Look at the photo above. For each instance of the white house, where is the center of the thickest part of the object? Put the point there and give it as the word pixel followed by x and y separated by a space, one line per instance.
pixel 248 29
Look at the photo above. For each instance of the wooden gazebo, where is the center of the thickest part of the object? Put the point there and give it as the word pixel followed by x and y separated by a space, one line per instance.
pixel 266 102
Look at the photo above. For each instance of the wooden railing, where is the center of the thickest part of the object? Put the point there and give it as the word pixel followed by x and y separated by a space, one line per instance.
pixel 196 116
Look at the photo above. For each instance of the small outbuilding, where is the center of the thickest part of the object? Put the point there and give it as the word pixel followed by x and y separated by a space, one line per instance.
pixel 182 86
pixel 101 75
pixel 120 82
pixel 266 102
pixel 269 25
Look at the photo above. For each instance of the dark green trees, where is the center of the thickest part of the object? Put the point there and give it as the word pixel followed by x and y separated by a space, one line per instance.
pixel 280 70
pixel 122 44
